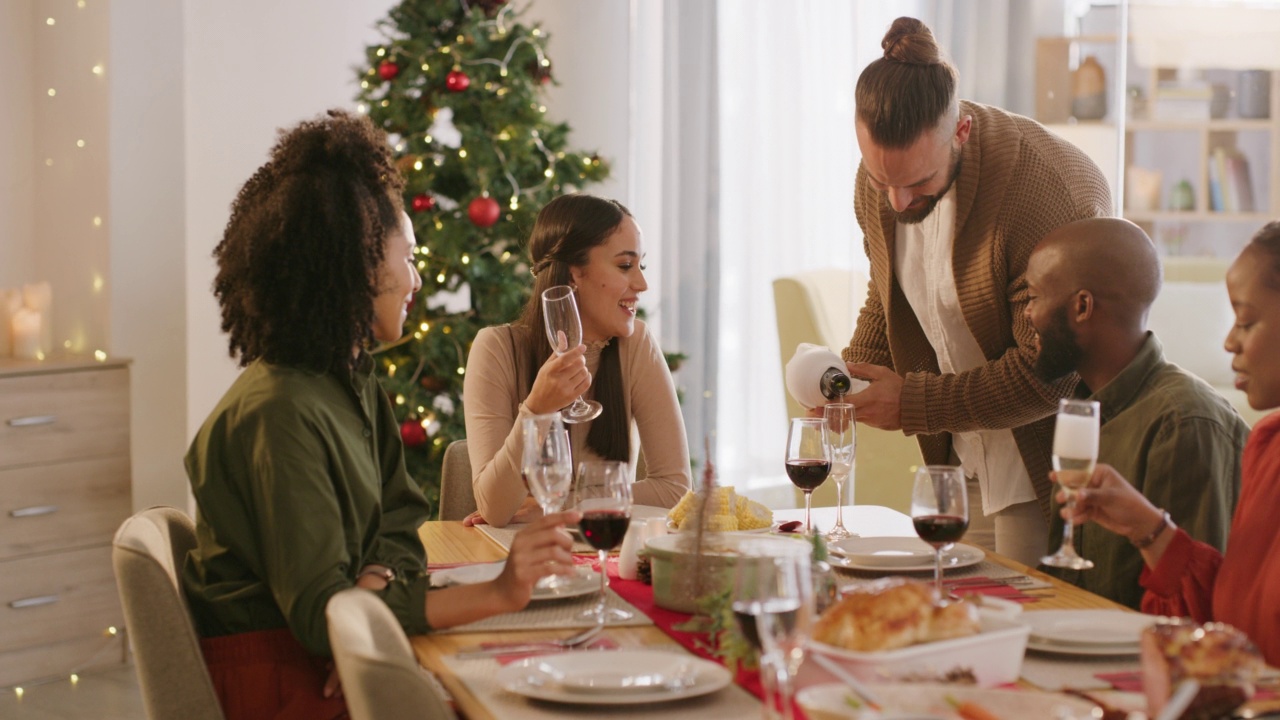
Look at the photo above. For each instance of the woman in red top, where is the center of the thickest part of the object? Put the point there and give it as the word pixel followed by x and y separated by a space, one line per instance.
pixel 1188 578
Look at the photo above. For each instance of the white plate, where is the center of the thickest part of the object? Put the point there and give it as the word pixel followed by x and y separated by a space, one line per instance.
pixel 584 581
pixel 1087 628
pixel 1056 648
pixel 899 554
pixel 921 701
pixel 613 677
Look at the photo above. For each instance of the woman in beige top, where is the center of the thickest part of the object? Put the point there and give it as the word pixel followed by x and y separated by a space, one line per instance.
pixel 593 245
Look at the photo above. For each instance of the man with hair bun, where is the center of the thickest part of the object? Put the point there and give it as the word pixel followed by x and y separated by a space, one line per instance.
pixel 951 197
pixel 1091 284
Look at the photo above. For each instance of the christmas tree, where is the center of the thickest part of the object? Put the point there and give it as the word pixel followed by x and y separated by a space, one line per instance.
pixel 457 85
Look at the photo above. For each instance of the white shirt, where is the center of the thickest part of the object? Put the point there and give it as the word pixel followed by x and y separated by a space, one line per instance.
pixel 922 264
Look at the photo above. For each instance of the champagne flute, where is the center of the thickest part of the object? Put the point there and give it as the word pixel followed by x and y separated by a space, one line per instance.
pixel 940 511
pixel 603 496
pixel 808 459
pixel 564 330
pixel 784 620
pixel 546 465
pixel 1075 452
pixel 840 419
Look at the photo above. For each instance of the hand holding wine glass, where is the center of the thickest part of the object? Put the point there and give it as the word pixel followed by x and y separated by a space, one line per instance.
pixel 603 496
pixel 1075 452
pixel 842 440
pixel 564 331
pixel 940 511
pixel 546 466
pixel 808 459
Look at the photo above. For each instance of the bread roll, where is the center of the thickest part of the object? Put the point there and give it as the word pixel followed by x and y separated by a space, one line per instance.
pixel 893 614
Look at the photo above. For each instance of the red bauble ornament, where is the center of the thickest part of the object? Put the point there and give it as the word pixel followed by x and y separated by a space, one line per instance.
pixel 388 70
pixel 457 81
pixel 423 202
pixel 412 433
pixel 483 211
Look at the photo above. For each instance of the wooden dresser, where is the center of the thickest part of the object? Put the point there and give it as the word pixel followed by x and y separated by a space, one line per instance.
pixel 64 489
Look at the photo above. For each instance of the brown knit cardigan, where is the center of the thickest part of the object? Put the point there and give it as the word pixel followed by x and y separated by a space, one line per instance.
pixel 1018 181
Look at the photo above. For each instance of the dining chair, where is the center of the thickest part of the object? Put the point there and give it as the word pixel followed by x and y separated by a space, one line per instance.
pixel 381 678
pixel 147 553
pixel 457 499
pixel 821 307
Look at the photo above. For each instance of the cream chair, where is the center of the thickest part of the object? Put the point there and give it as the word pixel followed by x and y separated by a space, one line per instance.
pixel 1191 316
pixel 821 307
pixel 457 499
pixel 147 554
pixel 381 678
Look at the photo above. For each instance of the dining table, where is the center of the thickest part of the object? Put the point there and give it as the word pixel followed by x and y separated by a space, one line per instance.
pixel 451 544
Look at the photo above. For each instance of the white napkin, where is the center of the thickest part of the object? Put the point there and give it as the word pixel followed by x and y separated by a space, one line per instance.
pixel 467 574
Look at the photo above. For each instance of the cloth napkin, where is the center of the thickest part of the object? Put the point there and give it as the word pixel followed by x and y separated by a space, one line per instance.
pixel 987 586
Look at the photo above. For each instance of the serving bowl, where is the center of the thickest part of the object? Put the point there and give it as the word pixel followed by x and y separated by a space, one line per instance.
pixel 680 577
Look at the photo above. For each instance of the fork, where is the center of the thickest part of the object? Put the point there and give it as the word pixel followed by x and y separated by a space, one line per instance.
pixel 573 641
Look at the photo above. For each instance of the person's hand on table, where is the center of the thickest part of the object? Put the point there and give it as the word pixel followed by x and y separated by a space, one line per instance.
pixel 538 550
pixel 528 512
pixel 880 404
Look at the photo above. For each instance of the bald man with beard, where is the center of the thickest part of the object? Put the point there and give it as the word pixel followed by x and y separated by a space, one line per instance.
pixel 1091 285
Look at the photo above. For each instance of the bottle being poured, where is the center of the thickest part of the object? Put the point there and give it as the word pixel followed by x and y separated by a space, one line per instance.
pixel 816 376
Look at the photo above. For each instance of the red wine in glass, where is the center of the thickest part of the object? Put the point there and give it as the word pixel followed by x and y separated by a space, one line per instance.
pixel 808 474
pixel 940 530
pixel 604 529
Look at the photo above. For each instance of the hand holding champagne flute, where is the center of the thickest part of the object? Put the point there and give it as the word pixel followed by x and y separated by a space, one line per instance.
pixel 564 331
pixel 1075 453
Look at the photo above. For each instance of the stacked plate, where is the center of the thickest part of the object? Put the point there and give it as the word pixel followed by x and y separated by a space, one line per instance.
pixel 616 677
pixel 1086 632
pixel 900 554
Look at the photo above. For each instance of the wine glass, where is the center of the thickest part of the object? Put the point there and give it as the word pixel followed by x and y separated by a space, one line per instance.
pixel 748 572
pixel 940 511
pixel 808 459
pixel 564 330
pixel 1075 452
pixel 840 419
pixel 784 618
pixel 546 464
pixel 603 496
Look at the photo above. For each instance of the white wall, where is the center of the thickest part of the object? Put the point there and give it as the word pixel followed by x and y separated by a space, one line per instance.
pixel 148 253
pixel 17 141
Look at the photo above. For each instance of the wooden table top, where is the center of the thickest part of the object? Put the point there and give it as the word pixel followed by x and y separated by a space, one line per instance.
pixel 450 542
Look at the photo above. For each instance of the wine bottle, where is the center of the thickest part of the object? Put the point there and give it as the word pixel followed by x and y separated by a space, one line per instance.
pixel 816 376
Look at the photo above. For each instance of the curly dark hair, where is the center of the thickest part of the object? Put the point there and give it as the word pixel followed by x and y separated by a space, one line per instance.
pixel 1267 239
pixel 298 261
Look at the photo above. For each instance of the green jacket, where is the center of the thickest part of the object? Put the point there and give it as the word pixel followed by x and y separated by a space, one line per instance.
pixel 300 481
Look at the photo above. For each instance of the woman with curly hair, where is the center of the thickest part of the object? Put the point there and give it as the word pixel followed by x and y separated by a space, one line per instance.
pixel 594 246
pixel 299 471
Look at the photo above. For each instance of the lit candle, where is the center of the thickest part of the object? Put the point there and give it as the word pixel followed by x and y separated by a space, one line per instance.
pixel 39 297
pixel 10 303
pixel 25 326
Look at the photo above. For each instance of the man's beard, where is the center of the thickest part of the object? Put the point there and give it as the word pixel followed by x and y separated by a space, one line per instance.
pixel 1060 354
pixel 912 217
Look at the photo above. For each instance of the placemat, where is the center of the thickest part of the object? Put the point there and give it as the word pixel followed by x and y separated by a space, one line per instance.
pixel 554 615
pixel 505 535
pixel 1057 672
pixel 478 675
pixel 986 568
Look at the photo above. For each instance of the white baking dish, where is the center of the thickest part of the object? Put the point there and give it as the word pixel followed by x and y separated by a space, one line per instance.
pixel 994 655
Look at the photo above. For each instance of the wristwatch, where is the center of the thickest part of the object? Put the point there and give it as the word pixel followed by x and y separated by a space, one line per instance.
pixel 385 573
pixel 1145 542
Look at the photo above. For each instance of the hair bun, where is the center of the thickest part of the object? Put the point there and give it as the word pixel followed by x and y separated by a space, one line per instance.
pixel 910 41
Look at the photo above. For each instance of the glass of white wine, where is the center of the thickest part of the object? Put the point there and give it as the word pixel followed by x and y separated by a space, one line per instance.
pixel 1075 453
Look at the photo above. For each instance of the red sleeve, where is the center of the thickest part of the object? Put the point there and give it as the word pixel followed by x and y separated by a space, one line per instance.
pixel 1181 584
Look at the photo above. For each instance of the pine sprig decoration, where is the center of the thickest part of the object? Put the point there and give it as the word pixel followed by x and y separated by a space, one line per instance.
pixel 458 87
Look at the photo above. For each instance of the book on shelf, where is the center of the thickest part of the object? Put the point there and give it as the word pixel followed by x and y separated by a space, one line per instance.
pixel 1230 188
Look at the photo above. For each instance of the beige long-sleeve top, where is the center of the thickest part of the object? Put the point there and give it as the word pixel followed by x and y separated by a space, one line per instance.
pixel 494 403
